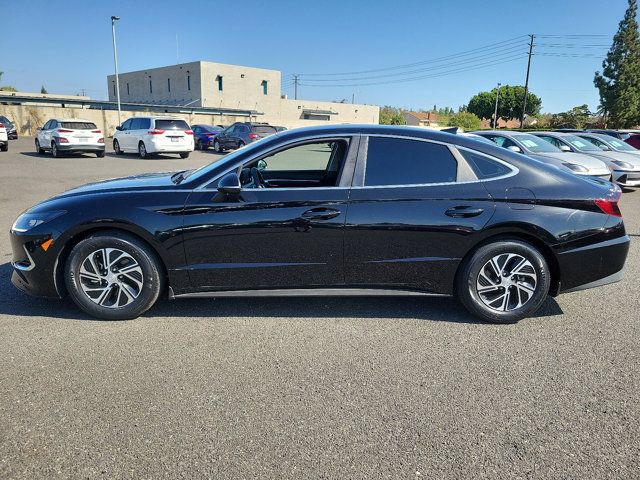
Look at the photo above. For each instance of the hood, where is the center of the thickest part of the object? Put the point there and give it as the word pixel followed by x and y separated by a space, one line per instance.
pixel 607 155
pixel 145 181
pixel 569 157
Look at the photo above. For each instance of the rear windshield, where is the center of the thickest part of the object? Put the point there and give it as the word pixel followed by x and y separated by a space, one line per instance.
pixel 172 124
pixel 264 129
pixel 79 125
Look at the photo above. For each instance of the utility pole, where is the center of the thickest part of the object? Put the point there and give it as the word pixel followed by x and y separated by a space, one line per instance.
pixel 353 98
pixel 295 86
pixel 526 82
pixel 114 19
pixel 495 114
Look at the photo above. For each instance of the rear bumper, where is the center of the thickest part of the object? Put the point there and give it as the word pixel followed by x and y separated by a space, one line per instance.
pixel 593 265
pixel 80 147
pixel 169 148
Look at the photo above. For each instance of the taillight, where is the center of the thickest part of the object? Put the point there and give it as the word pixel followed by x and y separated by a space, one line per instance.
pixel 96 131
pixel 64 130
pixel 63 140
pixel 253 136
pixel 189 132
pixel 155 131
pixel 101 140
pixel 1 125
pixel 609 206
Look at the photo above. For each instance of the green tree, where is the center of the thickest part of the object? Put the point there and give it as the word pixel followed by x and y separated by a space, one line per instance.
pixel 6 88
pixel 391 116
pixel 465 120
pixel 619 82
pixel 43 90
pixel 509 103
pixel 577 117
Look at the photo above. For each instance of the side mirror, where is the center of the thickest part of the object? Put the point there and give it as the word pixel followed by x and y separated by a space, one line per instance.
pixel 119 128
pixel 514 148
pixel 565 148
pixel 39 128
pixel 230 184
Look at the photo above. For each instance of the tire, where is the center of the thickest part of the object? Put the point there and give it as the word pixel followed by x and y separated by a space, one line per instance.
pixel 184 155
pixel 4 147
pixel 116 147
pixel 54 150
pixel 241 144
pixel 143 281
pixel 39 149
pixel 490 290
pixel 100 154
pixel 217 147
pixel 142 150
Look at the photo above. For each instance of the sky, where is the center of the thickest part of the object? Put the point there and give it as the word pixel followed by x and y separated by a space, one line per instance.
pixel 66 46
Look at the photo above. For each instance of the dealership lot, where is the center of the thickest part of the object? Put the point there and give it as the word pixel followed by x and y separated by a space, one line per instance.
pixel 362 388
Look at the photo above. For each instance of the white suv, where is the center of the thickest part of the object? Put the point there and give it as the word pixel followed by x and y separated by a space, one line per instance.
pixel 70 135
pixel 4 139
pixel 147 135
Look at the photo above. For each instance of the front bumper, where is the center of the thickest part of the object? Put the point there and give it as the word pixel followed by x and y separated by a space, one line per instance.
pixel 33 266
pixel 627 178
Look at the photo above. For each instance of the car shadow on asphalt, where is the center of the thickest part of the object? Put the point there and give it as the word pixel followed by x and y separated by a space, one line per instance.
pixel 440 309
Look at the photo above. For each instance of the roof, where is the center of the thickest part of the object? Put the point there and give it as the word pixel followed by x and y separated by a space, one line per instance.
pixel 72 120
pixel 424 116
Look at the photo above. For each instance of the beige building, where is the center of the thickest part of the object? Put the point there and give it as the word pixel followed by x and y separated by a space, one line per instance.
pixel 421 119
pixel 222 86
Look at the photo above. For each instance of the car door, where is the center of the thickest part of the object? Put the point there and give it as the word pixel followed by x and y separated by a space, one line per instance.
pixel 273 237
pixel 40 135
pixel 224 136
pixel 415 209
pixel 47 134
pixel 122 135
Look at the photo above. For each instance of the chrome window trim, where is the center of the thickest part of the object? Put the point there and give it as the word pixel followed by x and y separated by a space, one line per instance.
pixel 345 136
pixel 514 170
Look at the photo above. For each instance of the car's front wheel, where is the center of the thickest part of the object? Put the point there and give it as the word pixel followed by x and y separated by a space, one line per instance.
pixel 116 147
pixel 142 150
pixel 217 147
pixel 184 155
pixel 504 281
pixel 39 149
pixel 113 276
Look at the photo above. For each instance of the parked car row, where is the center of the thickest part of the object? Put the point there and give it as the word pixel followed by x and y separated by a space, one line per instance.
pixel 145 136
pixel 581 153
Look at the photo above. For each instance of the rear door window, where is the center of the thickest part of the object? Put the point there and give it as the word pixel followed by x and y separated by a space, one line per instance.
pixel 172 124
pixel 399 161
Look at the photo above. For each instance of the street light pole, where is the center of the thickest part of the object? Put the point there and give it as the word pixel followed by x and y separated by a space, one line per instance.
pixel 495 114
pixel 115 61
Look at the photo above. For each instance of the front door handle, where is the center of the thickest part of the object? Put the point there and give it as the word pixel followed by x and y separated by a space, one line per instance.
pixel 320 214
pixel 463 211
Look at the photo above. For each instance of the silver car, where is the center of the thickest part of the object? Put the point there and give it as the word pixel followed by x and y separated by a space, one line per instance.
pixel 625 158
pixel 534 147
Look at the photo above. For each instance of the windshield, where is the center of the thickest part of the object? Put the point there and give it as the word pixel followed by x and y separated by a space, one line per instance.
pixel 227 159
pixel 620 145
pixel 79 125
pixel 535 144
pixel 581 144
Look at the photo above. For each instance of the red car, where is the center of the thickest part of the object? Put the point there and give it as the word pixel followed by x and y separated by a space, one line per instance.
pixel 634 140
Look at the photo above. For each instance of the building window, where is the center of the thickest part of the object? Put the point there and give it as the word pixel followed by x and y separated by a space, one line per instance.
pixel 316 116
pixel 169 84
pixel 128 89
pixel 219 81
pixel 114 88
pixel 265 87
pixel 150 86
pixel 188 82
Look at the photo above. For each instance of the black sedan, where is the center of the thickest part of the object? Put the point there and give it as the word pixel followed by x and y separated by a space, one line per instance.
pixel 336 210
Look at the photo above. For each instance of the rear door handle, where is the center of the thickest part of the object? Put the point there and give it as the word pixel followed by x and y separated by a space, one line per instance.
pixel 320 214
pixel 463 211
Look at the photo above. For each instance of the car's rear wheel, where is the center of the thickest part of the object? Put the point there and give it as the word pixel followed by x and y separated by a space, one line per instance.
pixel 241 144
pixel 142 150
pixel 54 150
pixel 217 147
pixel 116 147
pixel 184 155
pixel 39 149
pixel 113 276
pixel 4 147
pixel 504 281
pixel 100 154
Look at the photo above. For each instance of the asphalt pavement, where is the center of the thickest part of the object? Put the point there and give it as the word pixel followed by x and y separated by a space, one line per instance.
pixel 309 388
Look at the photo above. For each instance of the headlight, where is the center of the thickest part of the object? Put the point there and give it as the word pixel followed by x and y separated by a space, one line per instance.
pixel 621 164
pixel 575 167
pixel 27 221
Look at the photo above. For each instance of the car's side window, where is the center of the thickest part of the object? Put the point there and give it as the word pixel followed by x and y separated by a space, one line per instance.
pixel 483 166
pixel 126 125
pixel 196 130
pixel 53 125
pixel 551 140
pixel 145 124
pixel 399 161
pixel 313 164
pixel 46 125
pixel 135 124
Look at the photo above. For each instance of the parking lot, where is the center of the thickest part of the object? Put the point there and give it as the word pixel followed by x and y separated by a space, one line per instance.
pixel 309 388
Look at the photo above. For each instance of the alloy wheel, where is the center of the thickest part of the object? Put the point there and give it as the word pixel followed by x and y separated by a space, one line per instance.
pixel 506 282
pixel 111 278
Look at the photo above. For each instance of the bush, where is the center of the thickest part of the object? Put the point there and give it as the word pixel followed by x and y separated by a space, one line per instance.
pixel 465 120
